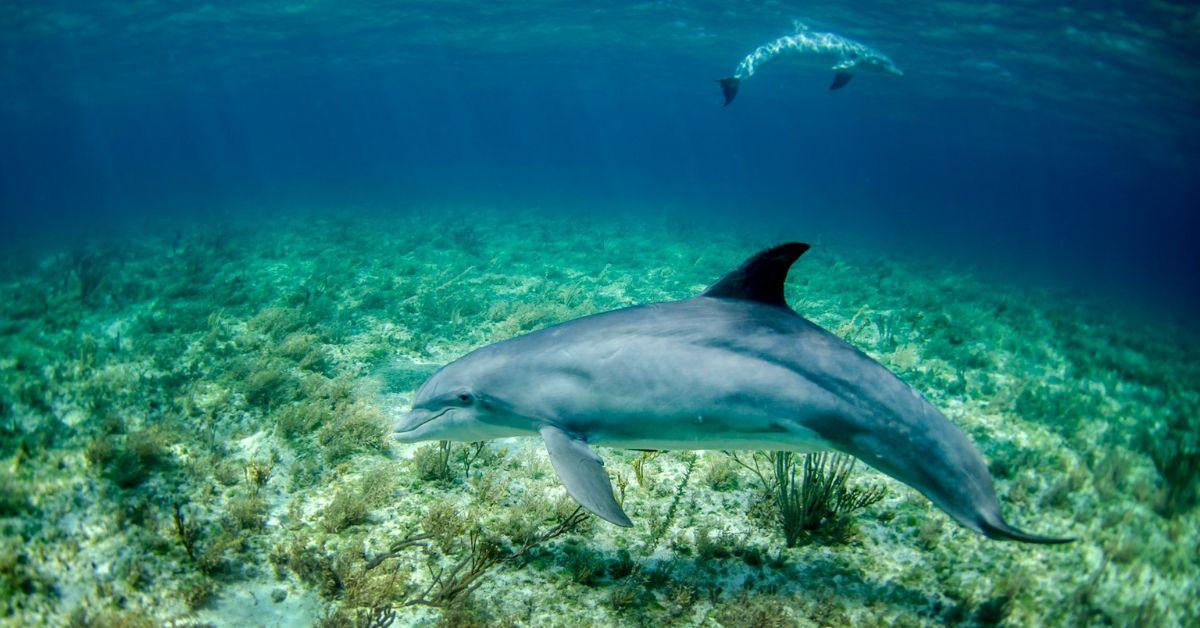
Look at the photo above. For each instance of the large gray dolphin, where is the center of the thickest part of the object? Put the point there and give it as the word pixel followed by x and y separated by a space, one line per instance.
pixel 733 368
pixel 824 50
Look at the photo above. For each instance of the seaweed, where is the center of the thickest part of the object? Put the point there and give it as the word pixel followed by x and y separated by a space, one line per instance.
pixel 90 269
pixel 20 578
pixel 184 532
pixel 820 504
pixel 720 474
pixel 353 429
pixel 759 611
pixel 660 529
pixel 84 617
pixel 349 507
pixel 1176 455
pixel 257 474
pixel 248 512
pixel 14 498
pixel 450 587
pixel 130 461
pixel 584 564
pixel 269 384
pixel 450 584
pixel 472 454
pixel 432 462
pixel 639 467
pixel 443 523
pixel 197 591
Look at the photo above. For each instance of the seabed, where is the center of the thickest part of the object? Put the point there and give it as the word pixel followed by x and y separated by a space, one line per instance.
pixel 193 432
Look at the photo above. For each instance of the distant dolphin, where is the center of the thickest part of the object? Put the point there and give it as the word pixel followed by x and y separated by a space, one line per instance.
pixel 733 368
pixel 845 56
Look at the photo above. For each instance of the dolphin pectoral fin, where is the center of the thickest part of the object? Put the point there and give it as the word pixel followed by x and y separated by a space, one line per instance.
pixel 840 79
pixel 582 473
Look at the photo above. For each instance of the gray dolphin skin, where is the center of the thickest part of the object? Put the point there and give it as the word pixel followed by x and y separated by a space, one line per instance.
pixel 731 369
pixel 843 56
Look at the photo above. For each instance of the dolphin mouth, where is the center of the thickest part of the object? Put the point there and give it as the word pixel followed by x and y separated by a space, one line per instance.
pixel 413 421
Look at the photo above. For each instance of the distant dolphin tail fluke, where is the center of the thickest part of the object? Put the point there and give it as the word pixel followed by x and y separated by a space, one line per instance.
pixel 1001 530
pixel 729 87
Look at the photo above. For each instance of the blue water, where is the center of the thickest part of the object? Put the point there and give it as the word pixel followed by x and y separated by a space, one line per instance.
pixel 1053 142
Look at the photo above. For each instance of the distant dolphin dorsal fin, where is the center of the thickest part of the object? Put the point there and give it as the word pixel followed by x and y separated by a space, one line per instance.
pixel 582 473
pixel 761 277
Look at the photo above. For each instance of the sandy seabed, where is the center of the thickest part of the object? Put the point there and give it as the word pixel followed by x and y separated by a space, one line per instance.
pixel 193 432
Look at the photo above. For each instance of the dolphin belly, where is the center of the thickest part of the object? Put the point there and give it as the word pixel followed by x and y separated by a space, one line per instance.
pixel 725 442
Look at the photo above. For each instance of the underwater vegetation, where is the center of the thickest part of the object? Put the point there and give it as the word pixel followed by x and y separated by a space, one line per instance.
pixel 193 429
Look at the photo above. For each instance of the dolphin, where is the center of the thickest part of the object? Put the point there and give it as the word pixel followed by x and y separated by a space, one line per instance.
pixel 733 368
pixel 843 56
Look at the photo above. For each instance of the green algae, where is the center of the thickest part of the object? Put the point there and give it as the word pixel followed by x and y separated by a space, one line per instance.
pixel 184 423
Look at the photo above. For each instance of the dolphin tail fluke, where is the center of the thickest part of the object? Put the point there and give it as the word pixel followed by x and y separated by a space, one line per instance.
pixel 840 79
pixel 1001 530
pixel 729 87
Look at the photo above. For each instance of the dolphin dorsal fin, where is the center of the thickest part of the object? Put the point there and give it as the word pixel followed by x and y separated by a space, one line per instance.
pixel 761 277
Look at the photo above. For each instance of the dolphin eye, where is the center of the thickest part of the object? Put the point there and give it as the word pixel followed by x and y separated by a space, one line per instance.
pixel 465 397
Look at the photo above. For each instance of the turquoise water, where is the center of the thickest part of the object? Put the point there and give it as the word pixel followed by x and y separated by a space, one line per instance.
pixel 237 239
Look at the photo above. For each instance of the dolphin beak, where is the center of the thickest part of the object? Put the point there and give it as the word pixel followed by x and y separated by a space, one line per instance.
pixel 896 71
pixel 408 424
